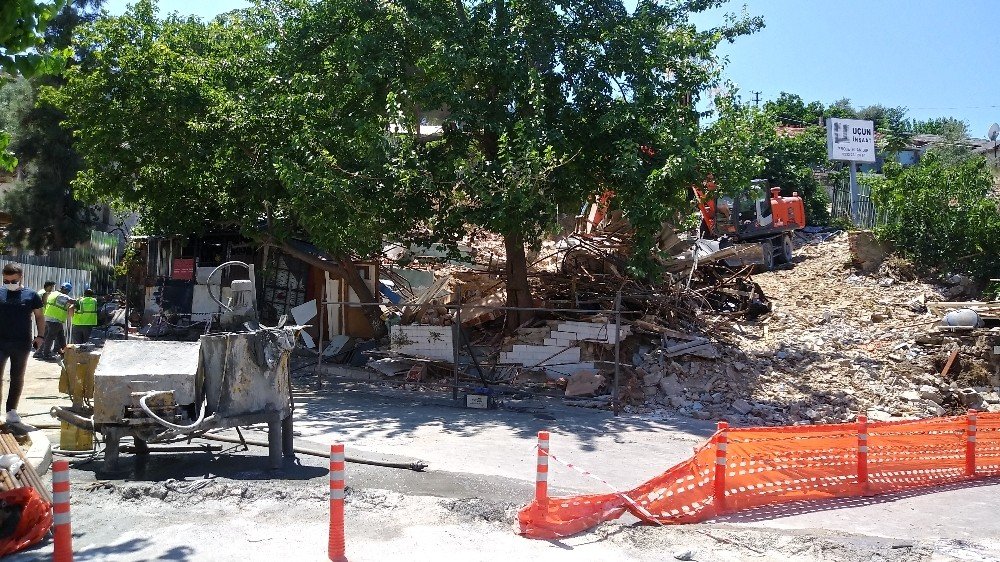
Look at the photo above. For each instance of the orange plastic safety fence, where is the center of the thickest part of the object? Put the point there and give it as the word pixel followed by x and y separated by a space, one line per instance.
pixel 770 465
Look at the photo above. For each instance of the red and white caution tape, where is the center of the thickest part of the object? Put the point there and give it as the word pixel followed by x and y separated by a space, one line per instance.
pixel 617 492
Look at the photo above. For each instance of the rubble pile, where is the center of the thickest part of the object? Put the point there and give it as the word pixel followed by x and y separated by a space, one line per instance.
pixel 838 342
pixel 847 328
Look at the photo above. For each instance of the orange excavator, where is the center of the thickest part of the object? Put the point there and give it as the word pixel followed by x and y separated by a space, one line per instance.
pixel 757 214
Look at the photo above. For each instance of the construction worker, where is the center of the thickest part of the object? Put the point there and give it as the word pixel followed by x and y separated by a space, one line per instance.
pixel 47 288
pixel 18 306
pixel 84 317
pixel 56 311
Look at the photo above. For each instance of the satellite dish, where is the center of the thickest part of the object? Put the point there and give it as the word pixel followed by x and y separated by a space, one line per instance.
pixel 994 132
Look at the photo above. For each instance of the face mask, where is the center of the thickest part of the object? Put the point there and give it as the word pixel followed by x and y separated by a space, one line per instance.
pixel 12 286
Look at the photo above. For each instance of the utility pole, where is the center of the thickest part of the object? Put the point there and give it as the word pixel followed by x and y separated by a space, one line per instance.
pixel 756 99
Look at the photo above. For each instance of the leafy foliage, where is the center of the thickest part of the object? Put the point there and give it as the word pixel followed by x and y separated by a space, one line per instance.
pixel 747 143
pixel 7 160
pixel 736 147
pixel 303 117
pixel 792 159
pixel 549 102
pixel 948 127
pixel 22 27
pixel 791 110
pixel 158 109
pixel 45 212
pixel 940 214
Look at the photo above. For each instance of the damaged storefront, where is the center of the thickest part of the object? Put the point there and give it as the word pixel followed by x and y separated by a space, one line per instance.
pixel 177 284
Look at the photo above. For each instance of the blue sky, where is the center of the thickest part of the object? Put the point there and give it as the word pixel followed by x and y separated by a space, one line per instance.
pixel 935 58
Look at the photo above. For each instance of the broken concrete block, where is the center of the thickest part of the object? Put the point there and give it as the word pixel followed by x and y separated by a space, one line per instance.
pixel 928 392
pixel 670 386
pixel 910 396
pixel 970 398
pixel 583 383
pixel 742 406
pixel 652 379
pixel 878 415
pixel 934 408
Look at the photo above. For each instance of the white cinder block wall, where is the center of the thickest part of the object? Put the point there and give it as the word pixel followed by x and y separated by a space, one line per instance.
pixel 434 342
pixel 558 356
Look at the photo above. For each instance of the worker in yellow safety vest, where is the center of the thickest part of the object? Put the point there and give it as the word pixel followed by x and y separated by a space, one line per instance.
pixel 57 306
pixel 84 317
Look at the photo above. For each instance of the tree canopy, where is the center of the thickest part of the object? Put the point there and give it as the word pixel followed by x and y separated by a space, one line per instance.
pixel 298 117
pixel 939 213
pixel 22 29
pixel 45 212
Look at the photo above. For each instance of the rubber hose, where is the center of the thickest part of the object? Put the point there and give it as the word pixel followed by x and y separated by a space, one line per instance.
pixel 67 416
pixel 193 427
pixel 417 466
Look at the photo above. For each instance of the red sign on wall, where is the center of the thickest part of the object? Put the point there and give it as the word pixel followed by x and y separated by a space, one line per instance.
pixel 182 269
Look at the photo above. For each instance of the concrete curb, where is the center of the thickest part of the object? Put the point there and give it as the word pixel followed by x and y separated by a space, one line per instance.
pixel 40 452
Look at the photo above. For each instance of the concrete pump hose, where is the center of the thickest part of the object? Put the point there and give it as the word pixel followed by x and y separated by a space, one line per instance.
pixel 72 418
pixel 149 412
pixel 416 466
pixel 208 282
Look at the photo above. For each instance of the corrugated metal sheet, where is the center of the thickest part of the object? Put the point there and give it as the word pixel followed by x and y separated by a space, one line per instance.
pixel 36 275
pixel 96 258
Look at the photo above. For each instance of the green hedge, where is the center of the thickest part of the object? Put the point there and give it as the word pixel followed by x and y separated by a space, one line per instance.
pixel 940 214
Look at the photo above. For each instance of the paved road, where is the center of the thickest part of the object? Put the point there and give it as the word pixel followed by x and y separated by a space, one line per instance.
pixel 228 506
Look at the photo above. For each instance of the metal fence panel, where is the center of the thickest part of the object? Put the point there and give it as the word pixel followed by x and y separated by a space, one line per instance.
pixel 35 277
pixel 90 264
pixel 868 216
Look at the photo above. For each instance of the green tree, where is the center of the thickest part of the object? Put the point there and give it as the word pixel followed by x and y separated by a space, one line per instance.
pixel 791 110
pixel 736 147
pixel 842 109
pixel 44 210
pixel 891 124
pixel 189 123
pixel 791 165
pixel 304 117
pixel 549 102
pixel 948 127
pixel 22 28
pixel 939 213
pixel 746 143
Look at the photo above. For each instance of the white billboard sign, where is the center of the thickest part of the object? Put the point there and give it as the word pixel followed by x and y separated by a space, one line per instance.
pixel 850 139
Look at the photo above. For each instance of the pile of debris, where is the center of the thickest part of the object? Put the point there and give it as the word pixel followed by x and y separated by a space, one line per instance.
pixel 838 342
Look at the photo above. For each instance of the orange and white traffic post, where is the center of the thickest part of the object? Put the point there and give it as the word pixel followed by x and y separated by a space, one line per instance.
pixel 721 441
pixel 542 472
pixel 336 547
pixel 62 550
pixel 863 453
pixel 970 443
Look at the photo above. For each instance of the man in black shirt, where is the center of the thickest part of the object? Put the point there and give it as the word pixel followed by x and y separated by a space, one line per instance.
pixel 18 305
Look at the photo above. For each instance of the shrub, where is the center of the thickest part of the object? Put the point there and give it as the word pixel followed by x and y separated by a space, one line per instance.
pixel 940 214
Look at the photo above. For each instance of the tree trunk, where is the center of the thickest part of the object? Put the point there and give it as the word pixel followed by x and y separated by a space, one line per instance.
pixel 347 270
pixel 518 291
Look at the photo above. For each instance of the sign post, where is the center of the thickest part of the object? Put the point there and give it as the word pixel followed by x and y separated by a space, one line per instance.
pixel 851 140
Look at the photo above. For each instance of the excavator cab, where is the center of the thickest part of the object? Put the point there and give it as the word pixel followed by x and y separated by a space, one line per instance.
pixel 746 214
pixel 753 207
pixel 756 214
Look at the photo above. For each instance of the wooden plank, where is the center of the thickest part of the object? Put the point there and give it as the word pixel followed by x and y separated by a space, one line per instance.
pixel 413 310
pixel 951 360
